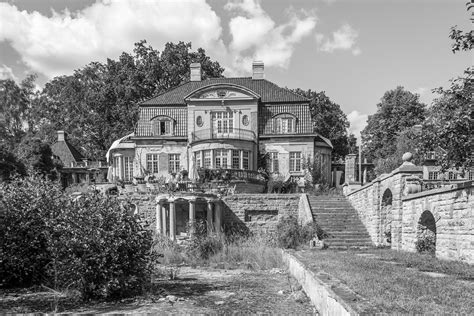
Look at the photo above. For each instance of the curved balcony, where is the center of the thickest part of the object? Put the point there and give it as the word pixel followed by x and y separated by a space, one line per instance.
pixel 236 133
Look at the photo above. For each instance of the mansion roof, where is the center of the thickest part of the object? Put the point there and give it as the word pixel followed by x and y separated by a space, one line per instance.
pixel 268 91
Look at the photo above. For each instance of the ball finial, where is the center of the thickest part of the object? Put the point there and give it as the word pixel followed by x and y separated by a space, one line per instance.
pixel 407 156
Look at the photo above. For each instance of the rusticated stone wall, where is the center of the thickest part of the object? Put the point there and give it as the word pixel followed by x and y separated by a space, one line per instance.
pixel 259 212
pixel 453 212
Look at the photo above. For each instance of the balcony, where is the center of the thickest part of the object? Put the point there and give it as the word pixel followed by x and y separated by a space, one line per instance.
pixel 209 134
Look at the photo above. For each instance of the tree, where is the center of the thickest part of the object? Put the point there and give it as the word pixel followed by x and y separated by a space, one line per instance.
pixel 398 109
pixel 37 156
pixel 99 102
pixel 9 164
pixel 15 109
pixel 328 120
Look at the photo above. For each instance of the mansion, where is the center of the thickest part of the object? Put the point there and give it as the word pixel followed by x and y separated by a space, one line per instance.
pixel 221 123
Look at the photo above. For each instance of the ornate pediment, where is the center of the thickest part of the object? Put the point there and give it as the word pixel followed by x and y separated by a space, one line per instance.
pixel 222 92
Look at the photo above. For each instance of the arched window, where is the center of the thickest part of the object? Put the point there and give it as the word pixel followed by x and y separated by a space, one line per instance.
pixel 284 123
pixel 162 125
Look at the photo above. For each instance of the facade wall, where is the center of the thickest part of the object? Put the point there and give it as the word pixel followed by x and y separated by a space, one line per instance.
pixel 163 151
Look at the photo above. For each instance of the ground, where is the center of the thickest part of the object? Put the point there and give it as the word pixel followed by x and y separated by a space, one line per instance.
pixel 193 291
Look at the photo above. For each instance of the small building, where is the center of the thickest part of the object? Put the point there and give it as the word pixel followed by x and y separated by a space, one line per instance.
pixel 76 168
pixel 221 124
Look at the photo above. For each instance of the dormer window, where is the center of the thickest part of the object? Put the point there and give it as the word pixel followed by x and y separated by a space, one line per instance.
pixel 162 125
pixel 284 124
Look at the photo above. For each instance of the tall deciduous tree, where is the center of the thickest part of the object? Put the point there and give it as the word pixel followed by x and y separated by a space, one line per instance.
pixel 328 120
pixel 398 110
pixel 99 102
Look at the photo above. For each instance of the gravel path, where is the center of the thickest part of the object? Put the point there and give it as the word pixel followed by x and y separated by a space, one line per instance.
pixel 195 291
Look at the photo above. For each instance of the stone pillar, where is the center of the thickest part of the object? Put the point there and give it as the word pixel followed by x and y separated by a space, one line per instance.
pixel 164 219
pixel 192 216
pixel 172 220
pixel 218 216
pixel 159 218
pixel 209 217
pixel 350 172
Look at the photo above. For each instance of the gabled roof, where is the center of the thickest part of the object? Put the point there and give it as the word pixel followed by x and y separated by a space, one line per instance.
pixel 66 152
pixel 268 91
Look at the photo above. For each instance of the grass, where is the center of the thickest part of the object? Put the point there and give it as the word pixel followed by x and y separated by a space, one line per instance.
pixel 395 287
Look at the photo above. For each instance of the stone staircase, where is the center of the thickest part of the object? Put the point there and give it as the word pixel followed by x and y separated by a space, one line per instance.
pixel 336 216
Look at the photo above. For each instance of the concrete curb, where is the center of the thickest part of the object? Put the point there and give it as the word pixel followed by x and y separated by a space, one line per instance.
pixel 328 295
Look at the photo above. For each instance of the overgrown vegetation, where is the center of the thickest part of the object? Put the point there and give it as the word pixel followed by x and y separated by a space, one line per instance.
pixel 426 244
pixel 93 244
pixel 291 234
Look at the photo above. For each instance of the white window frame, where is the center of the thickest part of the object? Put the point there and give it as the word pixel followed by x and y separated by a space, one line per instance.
pixel 152 162
pixel 221 158
pixel 235 159
pixel 162 126
pixel 174 163
pixel 127 168
pixel 245 160
pixel 222 122
pixel 207 159
pixel 273 162
pixel 295 161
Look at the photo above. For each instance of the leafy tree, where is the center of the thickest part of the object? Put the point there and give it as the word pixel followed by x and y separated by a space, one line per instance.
pixel 328 120
pixel 37 156
pixel 99 102
pixel 9 164
pixel 398 109
pixel 15 109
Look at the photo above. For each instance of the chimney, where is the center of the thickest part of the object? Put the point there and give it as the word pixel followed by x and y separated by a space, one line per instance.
pixel 61 136
pixel 258 70
pixel 195 72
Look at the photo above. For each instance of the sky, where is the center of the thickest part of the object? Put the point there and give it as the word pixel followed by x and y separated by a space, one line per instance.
pixel 354 50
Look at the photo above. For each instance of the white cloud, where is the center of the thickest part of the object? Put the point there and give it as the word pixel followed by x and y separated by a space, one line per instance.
pixel 342 39
pixel 65 41
pixel 426 95
pixel 7 73
pixel 358 122
pixel 256 36
pixel 56 45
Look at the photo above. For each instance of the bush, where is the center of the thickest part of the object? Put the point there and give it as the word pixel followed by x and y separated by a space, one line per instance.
pixel 291 234
pixel 203 245
pixel 94 244
pixel 426 244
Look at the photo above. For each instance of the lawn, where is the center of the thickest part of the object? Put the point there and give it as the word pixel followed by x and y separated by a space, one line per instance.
pixel 397 281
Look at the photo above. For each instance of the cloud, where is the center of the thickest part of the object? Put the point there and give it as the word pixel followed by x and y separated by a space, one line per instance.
pixel 342 39
pixel 358 122
pixel 256 36
pixel 57 44
pixel 7 73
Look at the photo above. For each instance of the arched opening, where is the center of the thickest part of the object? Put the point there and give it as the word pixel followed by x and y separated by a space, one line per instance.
pixel 426 233
pixel 386 217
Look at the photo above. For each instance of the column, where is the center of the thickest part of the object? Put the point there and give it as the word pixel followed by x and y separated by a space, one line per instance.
pixel 158 217
pixel 192 216
pixel 210 227
pixel 218 216
pixel 163 219
pixel 172 219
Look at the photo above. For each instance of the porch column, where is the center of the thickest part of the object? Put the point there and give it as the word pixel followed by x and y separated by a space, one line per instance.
pixel 192 216
pixel 172 220
pixel 164 219
pixel 209 217
pixel 218 216
pixel 158 217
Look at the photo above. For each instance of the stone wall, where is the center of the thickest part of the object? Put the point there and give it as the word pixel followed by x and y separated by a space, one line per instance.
pixel 259 212
pixel 453 212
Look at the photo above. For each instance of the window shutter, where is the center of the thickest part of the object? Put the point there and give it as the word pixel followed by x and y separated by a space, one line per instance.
pixel 163 163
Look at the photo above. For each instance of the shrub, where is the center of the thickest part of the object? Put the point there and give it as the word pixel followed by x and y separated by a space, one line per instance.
pixel 291 234
pixel 203 245
pixel 94 243
pixel 426 244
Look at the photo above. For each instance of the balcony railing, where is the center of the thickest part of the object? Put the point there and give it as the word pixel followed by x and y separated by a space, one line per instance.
pixel 88 164
pixel 234 133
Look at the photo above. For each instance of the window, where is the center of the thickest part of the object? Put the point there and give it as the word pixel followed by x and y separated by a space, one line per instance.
pixel 295 161
pixel 152 163
pixel 198 159
pixel 235 159
pixel 433 175
pixel 222 122
pixel 452 175
pixel 284 124
pixel 273 162
pixel 245 160
pixel 162 126
pixel 220 157
pixel 128 168
pixel 174 163
pixel 471 175
pixel 199 121
pixel 207 159
pixel 245 120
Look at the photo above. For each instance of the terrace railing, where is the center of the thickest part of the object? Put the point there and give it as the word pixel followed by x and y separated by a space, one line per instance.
pixel 234 133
